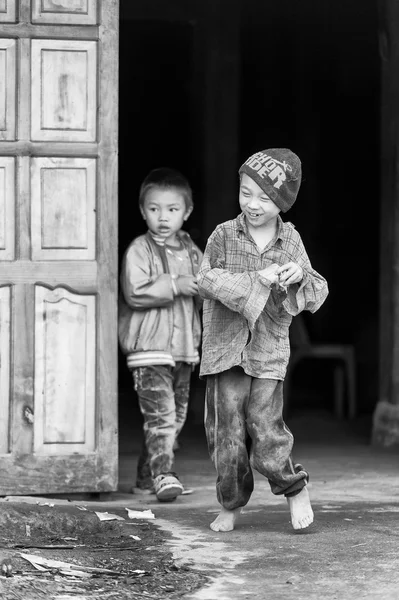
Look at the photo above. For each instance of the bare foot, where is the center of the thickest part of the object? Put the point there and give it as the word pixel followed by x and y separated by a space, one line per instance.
pixel 225 520
pixel 301 510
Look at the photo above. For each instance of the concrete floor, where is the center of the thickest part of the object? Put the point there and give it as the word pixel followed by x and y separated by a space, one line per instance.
pixel 351 551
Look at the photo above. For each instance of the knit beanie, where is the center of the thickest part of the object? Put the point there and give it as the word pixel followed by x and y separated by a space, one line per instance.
pixel 278 172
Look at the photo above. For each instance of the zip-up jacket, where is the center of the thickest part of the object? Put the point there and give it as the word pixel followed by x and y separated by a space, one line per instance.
pixel 145 323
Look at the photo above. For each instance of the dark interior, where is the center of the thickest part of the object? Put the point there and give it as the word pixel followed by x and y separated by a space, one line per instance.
pixel 309 80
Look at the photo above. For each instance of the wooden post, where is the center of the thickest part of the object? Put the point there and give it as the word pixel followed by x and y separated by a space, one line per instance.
pixel 386 415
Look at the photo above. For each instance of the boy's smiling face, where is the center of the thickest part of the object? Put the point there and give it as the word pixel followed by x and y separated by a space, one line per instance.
pixel 256 205
pixel 165 212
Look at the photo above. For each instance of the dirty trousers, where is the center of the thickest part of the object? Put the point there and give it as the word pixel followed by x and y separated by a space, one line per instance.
pixel 163 393
pixel 245 429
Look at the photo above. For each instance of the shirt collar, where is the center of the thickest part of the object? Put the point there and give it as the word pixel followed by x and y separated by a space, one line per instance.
pixel 182 235
pixel 242 226
pixel 160 241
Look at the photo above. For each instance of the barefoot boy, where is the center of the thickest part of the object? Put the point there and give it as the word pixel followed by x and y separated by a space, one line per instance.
pixel 255 276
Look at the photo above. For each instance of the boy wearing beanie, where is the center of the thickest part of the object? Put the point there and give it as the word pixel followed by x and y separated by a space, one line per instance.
pixel 255 276
pixel 159 323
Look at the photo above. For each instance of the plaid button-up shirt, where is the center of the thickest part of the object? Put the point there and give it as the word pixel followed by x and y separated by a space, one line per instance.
pixel 246 319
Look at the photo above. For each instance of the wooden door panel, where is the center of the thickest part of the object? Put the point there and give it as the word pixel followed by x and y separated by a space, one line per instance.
pixel 7 207
pixel 8 11
pixel 83 279
pixel 64 90
pixel 58 285
pixel 71 12
pixel 63 212
pixel 5 362
pixel 7 88
pixel 56 474
pixel 65 375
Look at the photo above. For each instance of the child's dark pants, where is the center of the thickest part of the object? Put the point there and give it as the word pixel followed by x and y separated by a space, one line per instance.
pixel 245 428
pixel 163 394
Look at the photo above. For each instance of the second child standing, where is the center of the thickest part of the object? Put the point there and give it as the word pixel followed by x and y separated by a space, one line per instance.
pixel 159 323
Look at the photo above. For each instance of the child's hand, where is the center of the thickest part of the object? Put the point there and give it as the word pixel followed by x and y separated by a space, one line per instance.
pixel 289 273
pixel 270 273
pixel 187 285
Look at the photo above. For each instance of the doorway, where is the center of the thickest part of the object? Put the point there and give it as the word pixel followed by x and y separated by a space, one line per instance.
pixel 157 128
pixel 309 80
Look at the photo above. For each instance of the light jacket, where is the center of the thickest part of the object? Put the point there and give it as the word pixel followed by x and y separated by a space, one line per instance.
pixel 145 322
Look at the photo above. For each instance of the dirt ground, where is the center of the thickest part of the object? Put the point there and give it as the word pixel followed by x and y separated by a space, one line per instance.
pixel 141 568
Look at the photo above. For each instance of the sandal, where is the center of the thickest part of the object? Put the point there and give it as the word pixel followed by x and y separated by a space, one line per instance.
pixel 167 487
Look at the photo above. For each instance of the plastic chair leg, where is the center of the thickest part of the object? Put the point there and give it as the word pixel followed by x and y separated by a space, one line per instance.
pixel 339 391
pixel 351 378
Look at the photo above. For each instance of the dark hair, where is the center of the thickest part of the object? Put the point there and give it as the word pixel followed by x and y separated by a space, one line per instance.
pixel 166 179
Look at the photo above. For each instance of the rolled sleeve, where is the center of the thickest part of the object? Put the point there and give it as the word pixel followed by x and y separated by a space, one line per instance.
pixel 309 294
pixel 243 293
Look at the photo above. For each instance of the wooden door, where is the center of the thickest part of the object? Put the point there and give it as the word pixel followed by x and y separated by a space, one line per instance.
pixel 58 246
